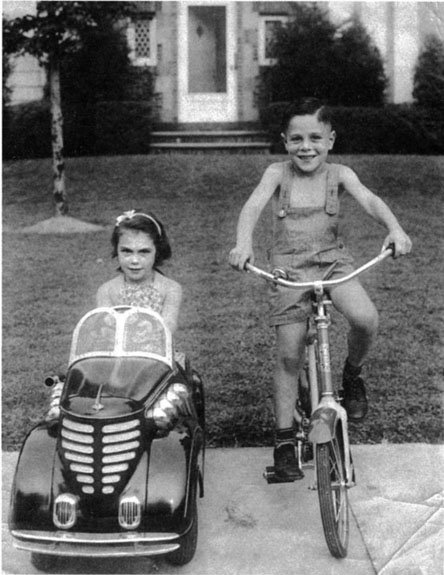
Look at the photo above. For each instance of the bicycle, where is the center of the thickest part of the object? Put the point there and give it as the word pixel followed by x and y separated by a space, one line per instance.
pixel 321 421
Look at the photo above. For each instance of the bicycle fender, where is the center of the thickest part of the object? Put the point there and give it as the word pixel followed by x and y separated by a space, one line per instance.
pixel 322 425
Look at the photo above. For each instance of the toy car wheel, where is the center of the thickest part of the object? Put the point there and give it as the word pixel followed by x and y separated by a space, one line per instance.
pixel 42 562
pixel 188 543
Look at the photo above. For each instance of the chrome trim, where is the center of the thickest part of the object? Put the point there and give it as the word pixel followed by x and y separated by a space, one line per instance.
pixel 74 436
pixel 121 436
pixel 64 513
pixel 115 468
pixel 118 427
pixel 118 447
pixel 80 448
pixel 118 457
pixel 76 426
pixel 69 544
pixel 92 538
pixel 78 458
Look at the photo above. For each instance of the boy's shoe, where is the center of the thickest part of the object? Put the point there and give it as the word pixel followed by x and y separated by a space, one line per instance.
pixel 286 465
pixel 355 399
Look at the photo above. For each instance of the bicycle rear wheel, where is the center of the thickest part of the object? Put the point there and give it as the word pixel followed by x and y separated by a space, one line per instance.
pixel 333 498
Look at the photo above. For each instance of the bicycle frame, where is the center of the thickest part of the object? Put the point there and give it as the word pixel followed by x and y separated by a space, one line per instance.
pixel 328 416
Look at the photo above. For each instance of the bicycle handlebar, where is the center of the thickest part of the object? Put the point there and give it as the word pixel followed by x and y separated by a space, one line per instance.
pixel 316 284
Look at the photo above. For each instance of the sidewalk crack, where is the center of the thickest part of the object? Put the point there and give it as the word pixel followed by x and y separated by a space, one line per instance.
pixel 398 552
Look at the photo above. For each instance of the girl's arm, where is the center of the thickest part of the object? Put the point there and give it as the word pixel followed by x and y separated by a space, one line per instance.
pixel 250 214
pixel 171 304
pixel 378 210
pixel 103 297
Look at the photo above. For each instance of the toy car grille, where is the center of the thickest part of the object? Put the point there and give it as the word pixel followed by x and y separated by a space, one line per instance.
pixel 100 455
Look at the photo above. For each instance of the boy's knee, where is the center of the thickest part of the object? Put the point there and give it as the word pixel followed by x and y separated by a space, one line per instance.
pixel 288 361
pixel 367 320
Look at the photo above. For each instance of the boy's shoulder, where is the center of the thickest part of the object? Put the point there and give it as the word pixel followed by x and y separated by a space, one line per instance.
pixel 277 169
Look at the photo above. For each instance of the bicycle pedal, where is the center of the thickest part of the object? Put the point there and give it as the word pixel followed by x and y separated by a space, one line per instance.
pixel 270 476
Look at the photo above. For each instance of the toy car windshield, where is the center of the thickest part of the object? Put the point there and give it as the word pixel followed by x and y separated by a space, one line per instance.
pixel 122 332
pixel 117 356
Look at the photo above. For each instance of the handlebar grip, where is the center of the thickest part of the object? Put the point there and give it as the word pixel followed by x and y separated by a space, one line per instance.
pixel 391 246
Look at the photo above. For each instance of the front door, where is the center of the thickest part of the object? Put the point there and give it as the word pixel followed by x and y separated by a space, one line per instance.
pixel 206 56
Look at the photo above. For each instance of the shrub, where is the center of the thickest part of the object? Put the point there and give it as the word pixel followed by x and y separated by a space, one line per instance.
pixel 393 129
pixel 92 129
pixel 428 90
pixel 27 133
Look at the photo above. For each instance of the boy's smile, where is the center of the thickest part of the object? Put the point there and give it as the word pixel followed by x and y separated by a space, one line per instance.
pixel 308 142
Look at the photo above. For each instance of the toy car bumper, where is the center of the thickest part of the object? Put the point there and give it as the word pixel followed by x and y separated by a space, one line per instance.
pixel 70 544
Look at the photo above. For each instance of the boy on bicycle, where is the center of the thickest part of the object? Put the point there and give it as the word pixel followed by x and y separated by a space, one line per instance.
pixel 305 193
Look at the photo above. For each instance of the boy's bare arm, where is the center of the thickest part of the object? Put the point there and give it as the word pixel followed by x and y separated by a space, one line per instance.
pixel 378 210
pixel 250 214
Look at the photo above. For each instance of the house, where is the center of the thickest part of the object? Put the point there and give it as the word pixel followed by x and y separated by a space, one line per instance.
pixel 206 54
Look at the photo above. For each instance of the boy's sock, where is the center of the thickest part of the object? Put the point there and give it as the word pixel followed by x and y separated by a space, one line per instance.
pixel 286 463
pixel 355 399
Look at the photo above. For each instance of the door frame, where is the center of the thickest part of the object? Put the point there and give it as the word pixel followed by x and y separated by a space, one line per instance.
pixel 207 107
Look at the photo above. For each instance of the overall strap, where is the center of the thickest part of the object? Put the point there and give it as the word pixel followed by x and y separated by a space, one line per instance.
pixel 284 192
pixel 332 196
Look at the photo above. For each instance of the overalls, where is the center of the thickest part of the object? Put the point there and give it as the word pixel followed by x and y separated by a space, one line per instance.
pixel 306 243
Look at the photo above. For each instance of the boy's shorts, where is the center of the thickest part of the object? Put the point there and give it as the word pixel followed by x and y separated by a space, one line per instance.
pixel 295 305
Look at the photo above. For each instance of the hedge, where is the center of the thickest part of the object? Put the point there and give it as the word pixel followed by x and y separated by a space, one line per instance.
pixel 108 128
pixel 105 128
pixel 392 129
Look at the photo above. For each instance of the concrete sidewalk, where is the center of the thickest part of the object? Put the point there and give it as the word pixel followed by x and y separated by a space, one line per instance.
pixel 250 527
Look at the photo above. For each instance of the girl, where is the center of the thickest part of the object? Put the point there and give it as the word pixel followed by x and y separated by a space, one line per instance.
pixel 141 246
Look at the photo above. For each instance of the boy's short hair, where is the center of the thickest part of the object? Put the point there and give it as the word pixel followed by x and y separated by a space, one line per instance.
pixel 307 107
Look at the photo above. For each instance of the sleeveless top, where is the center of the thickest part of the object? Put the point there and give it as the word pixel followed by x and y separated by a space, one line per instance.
pixel 142 296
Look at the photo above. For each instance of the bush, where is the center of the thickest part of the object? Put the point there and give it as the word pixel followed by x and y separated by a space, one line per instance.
pixel 393 129
pixel 340 64
pixel 428 90
pixel 93 129
pixel 123 127
pixel 27 133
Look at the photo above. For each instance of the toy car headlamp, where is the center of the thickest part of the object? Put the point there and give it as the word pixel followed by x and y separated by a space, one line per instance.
pixel 65 511
pixel 170 406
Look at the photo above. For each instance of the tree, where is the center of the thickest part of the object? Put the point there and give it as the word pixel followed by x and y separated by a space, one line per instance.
pixel 337 63
pixel 359 69
pixel 51 35
pixel 304 50
pixel 428 82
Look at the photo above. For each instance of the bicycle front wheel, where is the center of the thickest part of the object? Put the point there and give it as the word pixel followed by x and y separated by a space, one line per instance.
pixel 333 498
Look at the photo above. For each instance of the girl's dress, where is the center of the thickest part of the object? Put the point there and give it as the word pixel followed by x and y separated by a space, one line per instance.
pixel 141 296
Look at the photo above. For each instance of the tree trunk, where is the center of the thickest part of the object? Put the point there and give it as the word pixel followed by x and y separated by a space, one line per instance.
pixel 58 164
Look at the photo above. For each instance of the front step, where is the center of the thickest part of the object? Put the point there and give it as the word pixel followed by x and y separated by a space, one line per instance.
pixel 203 141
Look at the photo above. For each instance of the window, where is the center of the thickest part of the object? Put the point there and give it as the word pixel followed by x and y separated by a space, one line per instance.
pixel 142 41
pixel 267 28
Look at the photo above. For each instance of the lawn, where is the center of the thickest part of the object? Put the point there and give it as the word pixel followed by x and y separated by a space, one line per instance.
pixel 49 281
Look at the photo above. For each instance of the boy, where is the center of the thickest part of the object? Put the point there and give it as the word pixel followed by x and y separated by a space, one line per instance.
pixel 305 192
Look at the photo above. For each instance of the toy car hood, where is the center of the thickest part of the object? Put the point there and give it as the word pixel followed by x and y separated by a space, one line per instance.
pixel 122 332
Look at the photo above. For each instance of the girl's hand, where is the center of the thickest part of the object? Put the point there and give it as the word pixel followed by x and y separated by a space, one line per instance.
pixel 401 241
pixel 239 257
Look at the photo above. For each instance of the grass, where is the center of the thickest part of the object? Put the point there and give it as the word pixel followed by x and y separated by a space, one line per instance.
pixel 50 281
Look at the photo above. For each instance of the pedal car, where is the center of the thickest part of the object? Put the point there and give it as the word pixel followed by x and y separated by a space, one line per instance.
pixel 118 472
